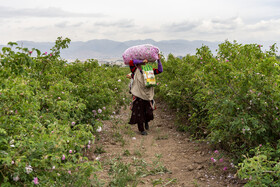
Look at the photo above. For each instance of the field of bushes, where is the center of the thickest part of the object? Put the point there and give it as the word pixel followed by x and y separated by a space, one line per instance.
pixel 231 99
pixel 50 110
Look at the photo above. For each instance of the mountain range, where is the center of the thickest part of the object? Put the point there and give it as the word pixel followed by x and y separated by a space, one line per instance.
pixel 108 49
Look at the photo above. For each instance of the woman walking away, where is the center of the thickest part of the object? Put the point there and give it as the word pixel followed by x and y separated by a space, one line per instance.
pixel 143 97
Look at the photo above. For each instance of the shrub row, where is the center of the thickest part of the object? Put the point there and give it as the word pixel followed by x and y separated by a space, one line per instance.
pixel 50 110
pixel 232 99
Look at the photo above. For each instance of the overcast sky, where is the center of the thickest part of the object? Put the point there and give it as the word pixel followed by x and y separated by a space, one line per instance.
pixel 122 20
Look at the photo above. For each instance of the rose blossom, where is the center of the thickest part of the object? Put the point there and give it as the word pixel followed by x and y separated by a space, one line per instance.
pixel 36 181
pixel 28 169
pixel 99 129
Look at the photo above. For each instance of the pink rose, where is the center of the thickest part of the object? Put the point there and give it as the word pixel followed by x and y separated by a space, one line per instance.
pixel 36 180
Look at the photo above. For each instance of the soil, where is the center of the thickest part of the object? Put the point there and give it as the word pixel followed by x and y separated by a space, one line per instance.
pixel 187 162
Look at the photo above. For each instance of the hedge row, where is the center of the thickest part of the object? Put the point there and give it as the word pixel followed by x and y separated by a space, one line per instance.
pixel 50 111
pixel 233 100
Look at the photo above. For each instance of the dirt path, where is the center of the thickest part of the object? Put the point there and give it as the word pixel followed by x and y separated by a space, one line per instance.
pixel 165 157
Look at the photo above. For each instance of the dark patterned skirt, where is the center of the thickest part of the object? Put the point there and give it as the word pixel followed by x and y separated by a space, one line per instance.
pixel 142 111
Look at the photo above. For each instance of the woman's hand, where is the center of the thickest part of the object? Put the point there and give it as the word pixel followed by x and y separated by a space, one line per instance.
pixel 128 76
pixel 145 61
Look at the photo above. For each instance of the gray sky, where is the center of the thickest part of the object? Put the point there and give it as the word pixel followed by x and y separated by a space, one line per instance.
pixel 122 20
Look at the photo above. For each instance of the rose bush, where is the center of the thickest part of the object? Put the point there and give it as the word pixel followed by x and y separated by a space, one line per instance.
pixel 232 99
pixel 47 121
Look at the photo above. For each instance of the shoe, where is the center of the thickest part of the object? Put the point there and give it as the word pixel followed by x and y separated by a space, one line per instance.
pixel 147 126
pixel 144 133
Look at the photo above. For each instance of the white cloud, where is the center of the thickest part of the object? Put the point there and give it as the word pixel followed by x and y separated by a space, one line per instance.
pixel 264 25
pixel 184 26
pixel 214 20
pixel 50 12
pixel 68 24
pixel 119 23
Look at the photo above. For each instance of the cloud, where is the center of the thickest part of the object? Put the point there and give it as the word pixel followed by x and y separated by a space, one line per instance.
pixel 270 3
pixel 66 24
pixel 61 24
pixel 6 12
pixel 148 30
pixel 181 26
pixel 119 24
pixel 228 24
pixel 210 26
pixel 265 25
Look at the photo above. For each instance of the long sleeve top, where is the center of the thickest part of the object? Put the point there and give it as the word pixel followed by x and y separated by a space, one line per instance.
pixel 133 66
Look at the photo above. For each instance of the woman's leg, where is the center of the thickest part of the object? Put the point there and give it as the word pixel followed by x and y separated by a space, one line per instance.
pixel 147 125
pixel 141 127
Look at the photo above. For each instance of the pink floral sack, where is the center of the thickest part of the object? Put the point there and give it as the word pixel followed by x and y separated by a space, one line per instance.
pixel 141 52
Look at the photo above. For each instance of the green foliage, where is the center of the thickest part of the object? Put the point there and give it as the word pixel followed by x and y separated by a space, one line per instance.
pixel 231 99
pixel 163 182
pixel 129 174
pixel 122 175
pixel 99 150
pixel 126 153
pixel 263 169
pixel 50 110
